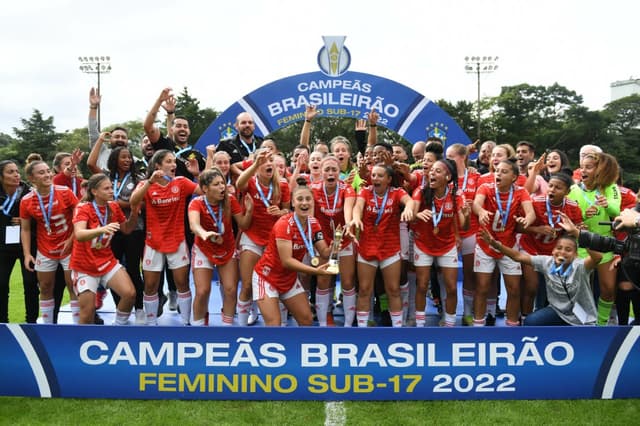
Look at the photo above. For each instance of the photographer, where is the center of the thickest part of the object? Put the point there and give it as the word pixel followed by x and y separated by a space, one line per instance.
pixel 626 225
pixel 566 276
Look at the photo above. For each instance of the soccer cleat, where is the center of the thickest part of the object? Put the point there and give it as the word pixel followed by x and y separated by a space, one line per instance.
pixel 140 317
pixel 467 320
pixel 330 322
pixel 161 302
pixel 173 300
pixel 97 320
pixel 490 321
pixel 253 316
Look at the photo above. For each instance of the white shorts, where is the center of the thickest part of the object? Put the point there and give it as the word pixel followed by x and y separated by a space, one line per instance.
pixel 377 263
pixel 447 260
pixel 486 264
pixel 405 243
pixel 200 261
pixel 83 282
pixel 262 289
pixel 153 260
pixel 468 245
pixel 247 243
pixel 347 251
pixel 46 264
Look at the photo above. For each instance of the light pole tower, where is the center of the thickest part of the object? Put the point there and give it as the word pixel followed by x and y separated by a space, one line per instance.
pixel 95 65
pixel 480 65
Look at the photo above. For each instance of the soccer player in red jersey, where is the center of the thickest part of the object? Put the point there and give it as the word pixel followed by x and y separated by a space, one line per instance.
pixel 467 186
pixel 497 205
pixel 165 197
pixel 275 276
pixel 334 202
pixel 95 221
pixel 377 215
pixel 271 197
pixel 542 235
pixel 439 210
pixel 210 220
pixel 51 206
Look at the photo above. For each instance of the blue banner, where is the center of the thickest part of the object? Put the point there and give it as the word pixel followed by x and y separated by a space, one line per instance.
pixel 351 95
pixel 319 363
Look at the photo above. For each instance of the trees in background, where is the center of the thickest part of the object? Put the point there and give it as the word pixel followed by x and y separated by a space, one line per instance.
pixel 549 116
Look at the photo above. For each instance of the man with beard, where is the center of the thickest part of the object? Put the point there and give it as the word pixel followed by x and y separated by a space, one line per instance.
pixel 180 133
pixel 119 135
pixel 484 157
pixel 243 145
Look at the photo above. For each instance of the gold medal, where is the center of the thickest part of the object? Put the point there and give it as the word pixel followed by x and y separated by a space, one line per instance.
pixel 315 261
pixel 98 245
pixel 436 230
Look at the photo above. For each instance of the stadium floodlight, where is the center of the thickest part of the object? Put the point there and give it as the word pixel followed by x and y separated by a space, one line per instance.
pixel 95 65
pixel 480 65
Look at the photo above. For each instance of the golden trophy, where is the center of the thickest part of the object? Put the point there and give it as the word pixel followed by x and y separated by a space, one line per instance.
pixel 333 267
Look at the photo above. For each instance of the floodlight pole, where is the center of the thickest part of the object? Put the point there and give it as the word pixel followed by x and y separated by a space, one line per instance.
pixel 478 65
pixel 95 65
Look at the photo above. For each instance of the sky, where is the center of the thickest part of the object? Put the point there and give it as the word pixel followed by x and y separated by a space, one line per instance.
pixel 223 50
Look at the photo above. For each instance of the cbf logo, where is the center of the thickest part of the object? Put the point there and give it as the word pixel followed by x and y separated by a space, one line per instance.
pixel 334 59
pixel 437 130
pixel 227 131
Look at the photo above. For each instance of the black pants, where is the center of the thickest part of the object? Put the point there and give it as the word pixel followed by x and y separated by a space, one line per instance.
pixel 29 282
pixel 128 250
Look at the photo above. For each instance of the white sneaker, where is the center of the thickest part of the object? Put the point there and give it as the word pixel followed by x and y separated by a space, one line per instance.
pixel 140 317
pixel 173 300
pixel 253 316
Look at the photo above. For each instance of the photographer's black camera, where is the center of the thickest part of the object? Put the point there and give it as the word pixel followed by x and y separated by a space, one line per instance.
pixel 628 249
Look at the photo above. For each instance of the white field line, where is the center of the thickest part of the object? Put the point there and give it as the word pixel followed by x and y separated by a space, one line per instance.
pixel 335 413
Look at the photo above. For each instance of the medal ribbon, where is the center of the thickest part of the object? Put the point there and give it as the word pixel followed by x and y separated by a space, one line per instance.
pixel 9 202
pixel 437 218
pixel 308 240
pixel 216 218
pixel 378 209
pixel 118 189
pixel 504 214
pixel 46 216
pixel 102 219
pixel 265 200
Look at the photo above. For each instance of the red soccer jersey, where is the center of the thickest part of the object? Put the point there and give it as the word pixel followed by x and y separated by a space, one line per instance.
pixel 89 257
pixel 325 211
pixel 628 200
pixel 491 178
pixel 262 222
pixel 538 244
pixel 506 236
pixel 467 187
pixel 269 267
pixel 218 254
pixel 62 179
pixel 51 244
pixel 382 241
pixel 423 232
pixel 165 206
pixel 420 181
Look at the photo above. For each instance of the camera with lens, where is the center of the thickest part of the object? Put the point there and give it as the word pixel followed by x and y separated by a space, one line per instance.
pixel 628 249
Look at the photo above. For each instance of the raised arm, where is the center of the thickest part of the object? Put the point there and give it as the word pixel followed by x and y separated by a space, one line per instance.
pixel 92 160
pixel 309 114
pixel 152 131
pixel 507 251
pixel 94 104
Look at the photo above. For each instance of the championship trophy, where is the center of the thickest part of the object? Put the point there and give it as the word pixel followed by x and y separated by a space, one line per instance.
pixel 335 250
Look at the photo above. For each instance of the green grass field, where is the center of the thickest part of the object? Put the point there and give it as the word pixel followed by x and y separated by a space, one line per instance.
pixel 35 411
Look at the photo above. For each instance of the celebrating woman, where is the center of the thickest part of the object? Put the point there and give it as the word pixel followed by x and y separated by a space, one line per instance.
pixel 210 220
pixel 497 205
pixel 165 197
pixel 52 208
pixel 275 275
pixel 96 221
pixel 377 215
pixel 599 199
pixel 271 196
pixel 334 202
pixel 439 209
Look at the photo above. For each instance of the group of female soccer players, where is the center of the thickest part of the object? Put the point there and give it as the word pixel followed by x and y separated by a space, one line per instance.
pixel 274 228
